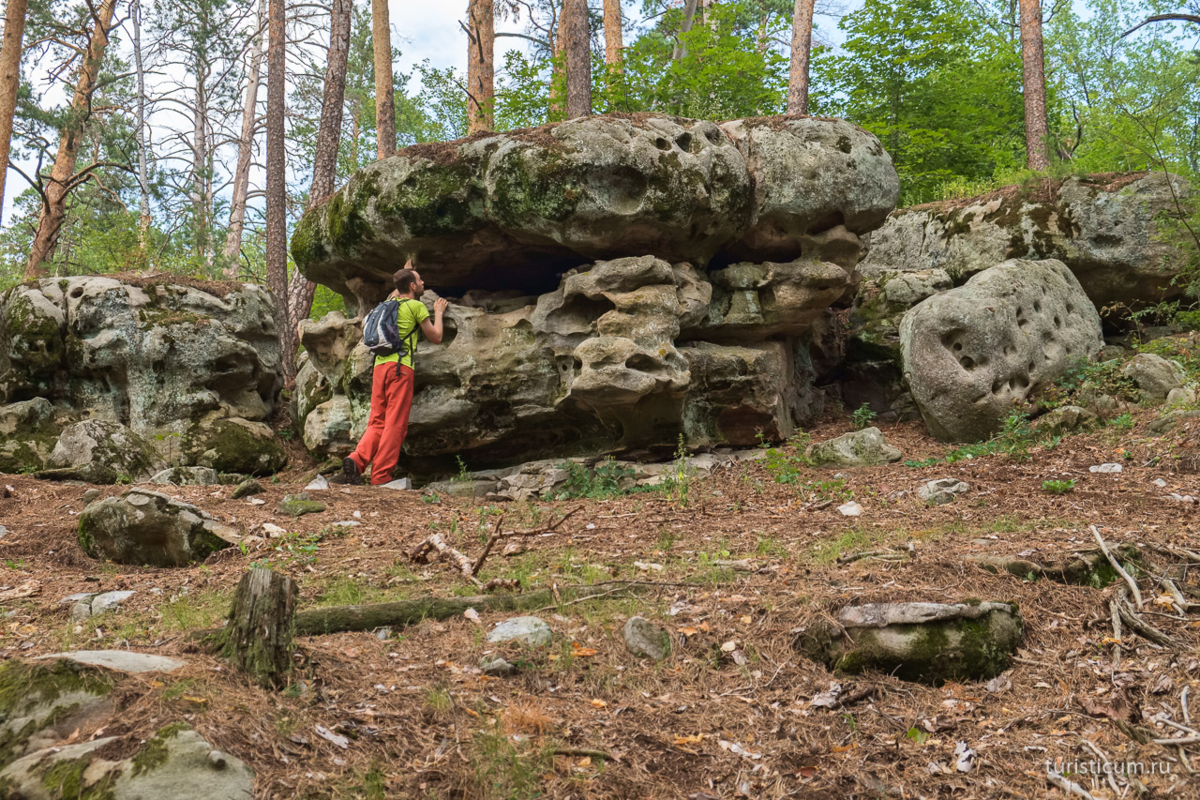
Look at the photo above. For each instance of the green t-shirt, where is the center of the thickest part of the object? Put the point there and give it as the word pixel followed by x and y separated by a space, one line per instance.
pixel 409 315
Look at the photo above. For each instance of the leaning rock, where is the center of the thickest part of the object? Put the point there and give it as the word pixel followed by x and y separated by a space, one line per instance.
pixel 1065 419
pixel 524 630
pixel 234 445
pixel 942 491
pixel 145 527
pixel 1154 376
pixel 187 476
pixel 1106 230
pixel 645 639
pixel 865 448
pixel 925 642
pixel 819 184
pixel 101 452
pixel 973 352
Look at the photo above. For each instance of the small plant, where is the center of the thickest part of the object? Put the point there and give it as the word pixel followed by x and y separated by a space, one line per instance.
pixel 1058 487
pixel 862 417
pixel 678 478
pixel 431 498
pixel 1124 421
pixel 462 476
pixel 916 735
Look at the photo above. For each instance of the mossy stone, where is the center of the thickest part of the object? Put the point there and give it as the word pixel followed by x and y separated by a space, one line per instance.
pixel 297 505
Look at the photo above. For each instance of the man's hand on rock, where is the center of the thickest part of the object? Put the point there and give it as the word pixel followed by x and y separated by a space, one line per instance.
pixel 439 306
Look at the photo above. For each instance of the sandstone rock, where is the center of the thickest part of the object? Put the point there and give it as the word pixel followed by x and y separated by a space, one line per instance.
pixel 27 434
pixel 187 476
pixel 973 353
pixel 925 642
pixel 145 527
pixel 97 451
pixel 1065 419
pixel 757 301
pixel 108 601
pixel 1107 234
pixel 819 184
pixel 1154 376
pixel 233 444
pixel 530 631
pixel 865 448
pixel 942 491
pixel 328 428
pixel 645 639
pixel 151 355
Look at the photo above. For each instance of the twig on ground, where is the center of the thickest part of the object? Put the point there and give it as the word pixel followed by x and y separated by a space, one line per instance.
pixel 1112 782
pixel 1054 779
pixel 1183 702
pixel 435 542
pixel 1137 595
pixel 583 751
pixel 1115 614
pixel 1131 618
pixel 497 535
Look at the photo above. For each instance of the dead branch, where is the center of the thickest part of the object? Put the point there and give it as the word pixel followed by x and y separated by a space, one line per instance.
pixel 1137 595
pixel 583 751
pixel 1056 780
pixel 497 535
pixel 456 557
pixel 1131 618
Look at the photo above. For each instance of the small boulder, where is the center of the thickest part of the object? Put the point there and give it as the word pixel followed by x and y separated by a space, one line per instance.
pixel 1065 419
pixel 232 444
pixel 1183 396
pixel 1154 376
pixel 187 476
pixel 924 642
pixel 27 434
pixel 531 631
pixel 247 488
pixel 865 448
pixel 98 451
pixel 109 601
pixel 942 491
pixel 645 639
pixel 297 505
pixel 145 527
pixel 1171 420
pixel 496 666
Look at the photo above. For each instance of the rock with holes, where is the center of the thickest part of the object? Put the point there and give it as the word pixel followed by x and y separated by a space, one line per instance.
pixel 819 185
pixel 1108 230
pixel 1154 376
pixel 974 353
pixel 143 527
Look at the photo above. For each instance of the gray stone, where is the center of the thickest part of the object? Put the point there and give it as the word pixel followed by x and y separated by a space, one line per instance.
pixel 109 600
pixel 925 642
pixel 942 491
pixel 1065 419
pixel 297 505
pixel 145 527
pixel 1172 420
pixel 973 353
pixel 91 495
pixel 233 444
pixel 645 639
pixel 98 451
pixel 1107 233
pixel 455 488
pixel 187 476
pixel 865 448
pixel 496 666
pixel 247 488
pixel 317 484
pixel 122 660
pixel 27 434
pixel 81 611
pixel 1183 396
pixel 530 631
pixel 399 484
pixel 1154 376
pixel 1106 469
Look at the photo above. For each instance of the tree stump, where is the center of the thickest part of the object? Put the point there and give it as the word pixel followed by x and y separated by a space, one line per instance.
pixel 258 638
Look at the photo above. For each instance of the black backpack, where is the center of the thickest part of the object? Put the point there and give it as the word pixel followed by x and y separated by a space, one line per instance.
pixel 381 334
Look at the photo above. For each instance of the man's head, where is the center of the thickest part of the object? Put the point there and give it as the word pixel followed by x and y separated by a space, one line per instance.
pixel 408 281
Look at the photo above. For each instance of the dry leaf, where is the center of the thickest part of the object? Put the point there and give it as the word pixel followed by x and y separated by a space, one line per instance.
pixel 599 704
pixel 689 631
pixel 200 701
pixel 682 740
pixel 729 646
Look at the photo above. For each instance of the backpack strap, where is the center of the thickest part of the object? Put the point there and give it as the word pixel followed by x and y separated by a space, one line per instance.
pixel 410 340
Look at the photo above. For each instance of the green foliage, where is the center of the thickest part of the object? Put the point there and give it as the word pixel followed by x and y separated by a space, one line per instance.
pixel 862 417
pixel 600 483
pixel 677 480
pixel 1058 487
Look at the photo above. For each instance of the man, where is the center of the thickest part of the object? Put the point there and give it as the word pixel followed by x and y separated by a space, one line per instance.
pixel 392 384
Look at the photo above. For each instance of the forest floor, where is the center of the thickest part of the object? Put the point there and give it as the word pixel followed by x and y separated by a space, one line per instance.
pixel 730 713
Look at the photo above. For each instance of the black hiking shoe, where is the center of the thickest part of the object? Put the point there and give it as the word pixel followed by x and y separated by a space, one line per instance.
pixel 350 473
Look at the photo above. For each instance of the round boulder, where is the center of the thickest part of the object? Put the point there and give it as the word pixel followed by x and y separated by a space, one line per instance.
pixel 145 527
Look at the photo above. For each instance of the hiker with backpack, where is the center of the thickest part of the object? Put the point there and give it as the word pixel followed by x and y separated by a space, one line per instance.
pixel 390 332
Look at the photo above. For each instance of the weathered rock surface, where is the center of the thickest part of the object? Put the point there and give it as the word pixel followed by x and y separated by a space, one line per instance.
pixel 942 491
pixel 1065 419
pixel 99 451
pixel 187 476
pixel 530 631
pixel 1106 232
pixel 121 660
pixel 973 353
pixel 145 527
pixel 154 356
pixel 1154 376
pixel 865 448
pixel 27 434
pixel 645 639
pixel 925 642
pixel 513 209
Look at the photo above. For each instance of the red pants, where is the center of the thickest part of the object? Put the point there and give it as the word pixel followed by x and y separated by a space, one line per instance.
pixel 391 400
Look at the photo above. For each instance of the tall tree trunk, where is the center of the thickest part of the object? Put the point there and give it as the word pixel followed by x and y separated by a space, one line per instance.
pixel 62 174
pixel 613 43
pixel 324 180
pixel 241 175
pixel 200 167
pixel 277 278
pixel 481 39
pixel 385 104
pixel 1037 129
pixel 558 48
pixel 10 78
pixel 579 58
pixel 143 167
pixel 689 18
pixel 802 23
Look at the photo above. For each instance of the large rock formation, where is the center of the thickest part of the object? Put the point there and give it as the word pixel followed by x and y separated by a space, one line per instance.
pixel 721 247
pixel 1105 228
pixel 517 209
pixel 973 354
pixel 184 365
